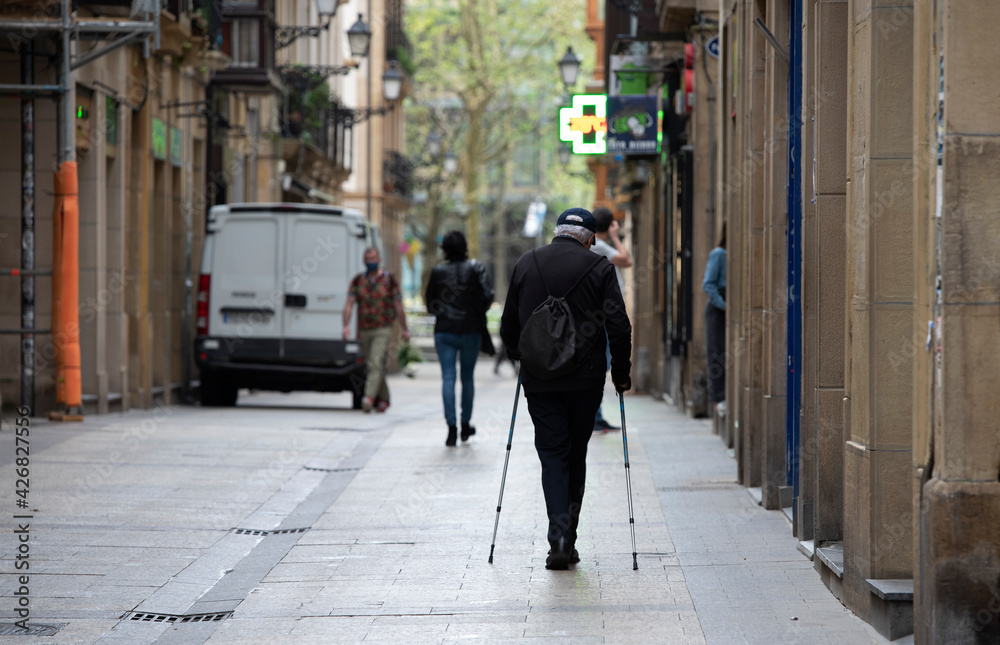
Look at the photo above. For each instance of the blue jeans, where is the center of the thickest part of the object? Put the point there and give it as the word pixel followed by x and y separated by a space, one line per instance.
pixel 465 347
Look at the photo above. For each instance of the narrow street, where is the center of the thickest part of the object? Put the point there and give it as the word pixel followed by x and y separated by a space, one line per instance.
pixel 293 519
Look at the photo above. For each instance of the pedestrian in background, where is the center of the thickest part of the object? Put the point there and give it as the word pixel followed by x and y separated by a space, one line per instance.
pixel 459 292
pixel 562 408
pixel 610 246
pixel 502 358
pixel 714 284
pixel 380 303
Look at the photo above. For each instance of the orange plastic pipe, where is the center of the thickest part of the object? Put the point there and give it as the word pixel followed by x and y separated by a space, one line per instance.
pixel 57 340
pixel 69 301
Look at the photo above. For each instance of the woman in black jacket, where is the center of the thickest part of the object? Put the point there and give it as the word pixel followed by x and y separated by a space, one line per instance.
pixel 458 294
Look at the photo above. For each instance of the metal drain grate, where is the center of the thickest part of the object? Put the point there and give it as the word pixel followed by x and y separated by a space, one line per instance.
pixel 10 629
pixel 286 531
pixel 331 470
pixel 262 532
pixel 249 532
pixel 146 617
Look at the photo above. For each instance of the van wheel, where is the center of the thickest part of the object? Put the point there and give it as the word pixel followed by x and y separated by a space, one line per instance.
pixel 228 393
pixel 216 391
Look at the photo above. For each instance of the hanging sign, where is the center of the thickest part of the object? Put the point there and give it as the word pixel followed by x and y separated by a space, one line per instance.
pixel 712 47
pixel 176 147
pixel 584 125
pixel 159 139
pixel 534 220
pixel 633 126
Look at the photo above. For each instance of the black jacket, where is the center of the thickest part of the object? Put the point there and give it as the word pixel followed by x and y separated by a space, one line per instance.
pixel 596 303
pixel 458 295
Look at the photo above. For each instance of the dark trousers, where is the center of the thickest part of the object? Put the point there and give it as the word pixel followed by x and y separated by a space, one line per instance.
pixel 715 333
pixel 563 423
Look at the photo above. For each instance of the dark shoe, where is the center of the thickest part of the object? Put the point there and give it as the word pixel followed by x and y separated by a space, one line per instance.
pixel 574 559
pixel 561 556
pixel 467 431
pixel 604 426
pixel 452 436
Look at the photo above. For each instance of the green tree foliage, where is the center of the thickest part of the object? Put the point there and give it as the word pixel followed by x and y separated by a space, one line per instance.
pixel 486 77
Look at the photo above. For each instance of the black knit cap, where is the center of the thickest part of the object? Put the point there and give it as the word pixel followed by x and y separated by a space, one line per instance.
pixel 578 217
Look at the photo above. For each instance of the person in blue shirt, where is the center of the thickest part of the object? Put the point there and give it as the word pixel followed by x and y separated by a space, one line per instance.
pixel 714 284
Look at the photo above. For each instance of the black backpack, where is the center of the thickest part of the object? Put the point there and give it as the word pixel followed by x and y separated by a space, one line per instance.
pixel 548 344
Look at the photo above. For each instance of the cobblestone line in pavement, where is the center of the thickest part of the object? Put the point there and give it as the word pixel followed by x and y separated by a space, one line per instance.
pixel 230 590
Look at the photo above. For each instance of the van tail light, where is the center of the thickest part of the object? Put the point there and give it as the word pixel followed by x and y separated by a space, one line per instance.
pixel 201 307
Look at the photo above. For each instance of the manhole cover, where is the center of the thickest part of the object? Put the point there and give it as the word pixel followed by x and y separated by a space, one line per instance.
pixel 10 629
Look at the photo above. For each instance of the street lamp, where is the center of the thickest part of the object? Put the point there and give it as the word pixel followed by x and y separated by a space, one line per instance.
pixel 434 144
pixel 569 67
pixel 563 152
pixel 392 81
pixel 450 162
pixel 359 36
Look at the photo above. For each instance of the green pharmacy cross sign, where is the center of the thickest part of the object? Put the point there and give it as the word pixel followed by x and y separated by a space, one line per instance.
pixel 584 125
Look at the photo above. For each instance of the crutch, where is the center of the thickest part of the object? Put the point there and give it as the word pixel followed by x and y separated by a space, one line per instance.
pixel 506 460
pixel 628 481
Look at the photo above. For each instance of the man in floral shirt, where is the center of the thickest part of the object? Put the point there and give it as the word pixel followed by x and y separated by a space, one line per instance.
pixel 379 304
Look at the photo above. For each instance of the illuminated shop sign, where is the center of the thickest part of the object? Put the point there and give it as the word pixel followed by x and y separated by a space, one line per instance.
pixel 633 125
pixel 584 125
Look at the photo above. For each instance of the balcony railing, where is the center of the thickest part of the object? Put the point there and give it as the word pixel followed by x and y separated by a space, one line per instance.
pixel 331 132
pixel 397 175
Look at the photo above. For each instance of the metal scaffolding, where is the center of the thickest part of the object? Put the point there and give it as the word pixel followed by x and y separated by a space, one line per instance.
pixel 114 34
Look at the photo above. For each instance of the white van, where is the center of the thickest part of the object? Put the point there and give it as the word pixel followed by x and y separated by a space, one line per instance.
pixel 271 296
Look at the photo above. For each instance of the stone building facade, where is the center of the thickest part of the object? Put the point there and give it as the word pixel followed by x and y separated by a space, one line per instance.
pixel 860 380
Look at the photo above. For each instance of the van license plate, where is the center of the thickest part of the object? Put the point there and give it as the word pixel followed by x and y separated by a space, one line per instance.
pixel 250 317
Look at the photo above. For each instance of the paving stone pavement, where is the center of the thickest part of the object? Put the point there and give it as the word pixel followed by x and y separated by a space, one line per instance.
pixel 293 519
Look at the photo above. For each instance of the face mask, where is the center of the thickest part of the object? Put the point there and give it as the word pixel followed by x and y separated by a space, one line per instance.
pixel 371 266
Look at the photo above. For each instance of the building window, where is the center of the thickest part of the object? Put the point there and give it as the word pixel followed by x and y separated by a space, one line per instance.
pixel 245 42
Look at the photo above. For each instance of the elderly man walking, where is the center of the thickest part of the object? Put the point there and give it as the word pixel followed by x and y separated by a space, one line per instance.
pixel 380 303
pixel 562 405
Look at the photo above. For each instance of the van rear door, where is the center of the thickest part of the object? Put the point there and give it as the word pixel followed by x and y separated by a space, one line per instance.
pixel 322 253
pixel 246 303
